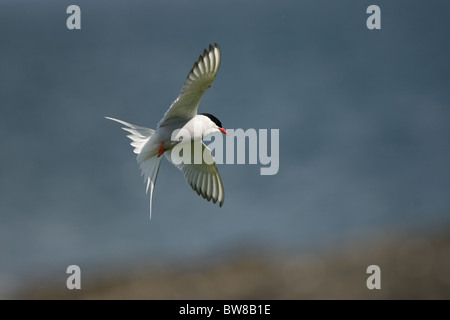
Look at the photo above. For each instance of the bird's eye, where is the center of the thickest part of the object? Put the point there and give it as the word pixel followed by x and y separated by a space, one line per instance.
pixel 180 138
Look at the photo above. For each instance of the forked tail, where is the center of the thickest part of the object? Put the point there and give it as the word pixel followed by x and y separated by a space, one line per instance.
pixel 149 166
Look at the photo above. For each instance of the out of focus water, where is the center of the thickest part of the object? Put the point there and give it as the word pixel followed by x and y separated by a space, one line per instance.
pixel 363 118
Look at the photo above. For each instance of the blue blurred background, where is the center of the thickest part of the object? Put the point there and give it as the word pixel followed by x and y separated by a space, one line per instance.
pixel 363 118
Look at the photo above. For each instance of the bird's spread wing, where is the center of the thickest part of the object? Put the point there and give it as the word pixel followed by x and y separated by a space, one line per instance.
pixel 198 81
pixel 203 177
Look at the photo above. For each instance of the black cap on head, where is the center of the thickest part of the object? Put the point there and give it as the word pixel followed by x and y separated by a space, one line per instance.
pixel 213 119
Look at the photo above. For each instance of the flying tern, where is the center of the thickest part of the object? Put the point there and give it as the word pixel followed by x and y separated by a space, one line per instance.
pixel 182 125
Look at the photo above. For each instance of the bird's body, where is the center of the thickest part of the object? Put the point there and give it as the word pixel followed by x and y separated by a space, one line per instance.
pixel 182 126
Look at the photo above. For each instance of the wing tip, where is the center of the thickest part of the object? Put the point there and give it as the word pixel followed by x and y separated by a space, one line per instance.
pixel 203 194
pixel 202 58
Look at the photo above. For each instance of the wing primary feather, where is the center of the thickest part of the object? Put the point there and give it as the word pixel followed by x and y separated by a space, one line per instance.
pixel 204 184
pixel 209 187
pixel 199 183
pixel 214 189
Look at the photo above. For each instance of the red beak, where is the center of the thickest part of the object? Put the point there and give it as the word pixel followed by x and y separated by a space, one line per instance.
pixel 223 131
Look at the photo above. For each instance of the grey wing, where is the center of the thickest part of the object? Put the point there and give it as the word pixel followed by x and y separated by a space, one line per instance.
pixel 197 82
pixel 203 177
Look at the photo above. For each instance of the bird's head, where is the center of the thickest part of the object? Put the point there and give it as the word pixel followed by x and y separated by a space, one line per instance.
pixel 214 125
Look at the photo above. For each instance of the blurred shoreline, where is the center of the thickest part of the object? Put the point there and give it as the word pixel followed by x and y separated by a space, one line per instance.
pixel 413 266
